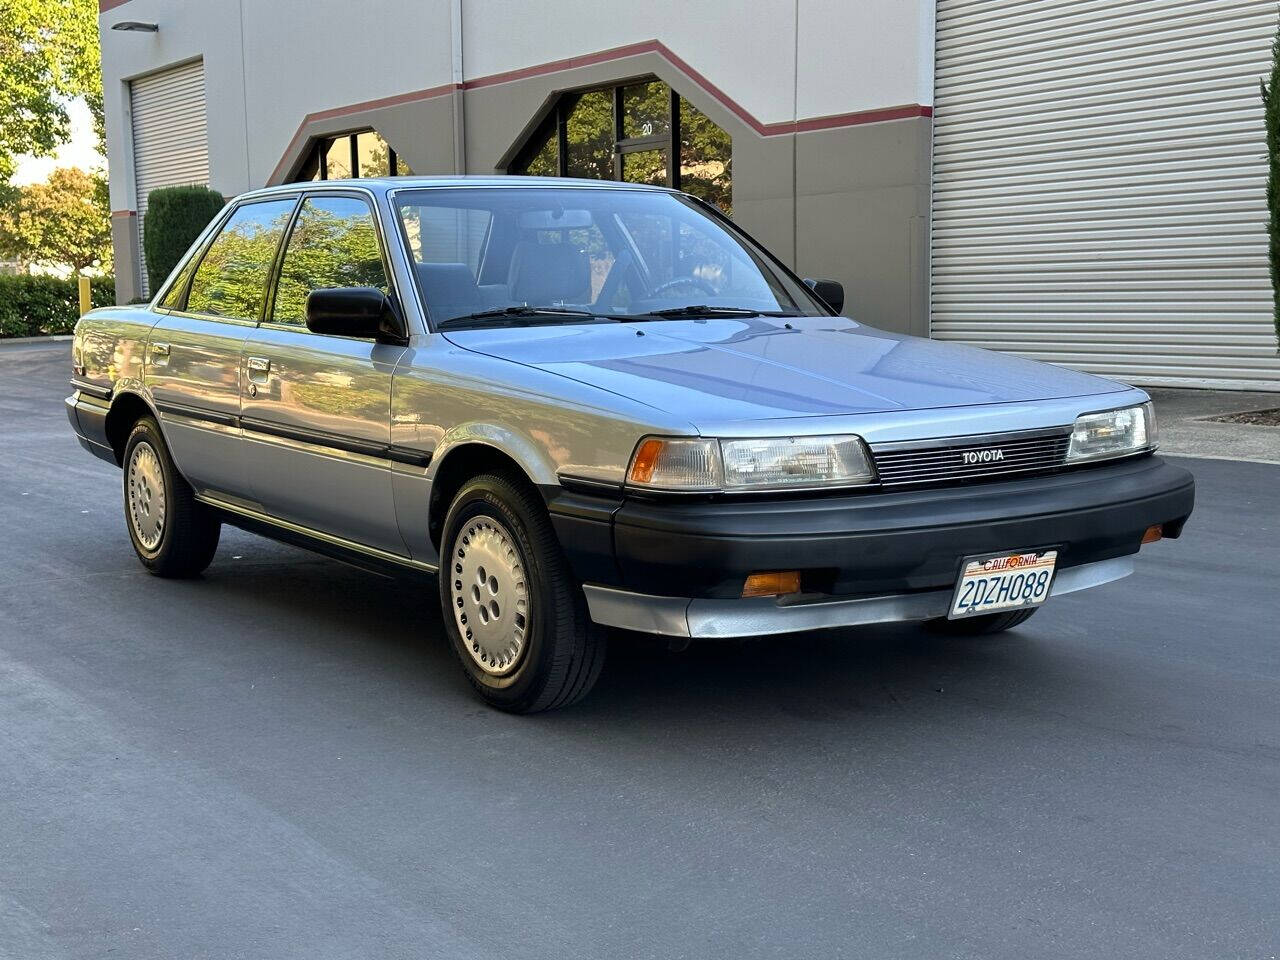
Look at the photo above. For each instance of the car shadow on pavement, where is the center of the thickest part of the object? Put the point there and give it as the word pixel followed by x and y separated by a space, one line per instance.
pixel 390 630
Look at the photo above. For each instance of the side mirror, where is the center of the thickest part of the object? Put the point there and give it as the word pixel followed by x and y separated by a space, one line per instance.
pixel 830 292
pixel 364 312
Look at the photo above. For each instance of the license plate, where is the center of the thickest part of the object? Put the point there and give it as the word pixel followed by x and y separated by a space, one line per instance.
pixel 1005 581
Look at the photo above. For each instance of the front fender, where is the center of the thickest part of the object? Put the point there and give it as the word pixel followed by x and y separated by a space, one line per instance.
pixel 532 458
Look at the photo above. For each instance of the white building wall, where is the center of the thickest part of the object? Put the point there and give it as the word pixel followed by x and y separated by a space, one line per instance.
pixel 308 56
pixel 268 65
pixel 864 56
pixel 188 30
pixel 271 64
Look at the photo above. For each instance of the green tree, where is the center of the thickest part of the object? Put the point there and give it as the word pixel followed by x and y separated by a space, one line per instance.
pixel 1271 104
pixel 49 55
pixel 175 217
pixel 65 221
pixel 706 158
pixel 590 136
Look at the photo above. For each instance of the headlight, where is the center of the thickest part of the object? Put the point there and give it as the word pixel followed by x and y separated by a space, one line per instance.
pixel 1097 436
pixel 676 465
pixel 772 463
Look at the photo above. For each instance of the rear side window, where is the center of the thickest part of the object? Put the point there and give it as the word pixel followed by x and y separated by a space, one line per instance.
pixel 172 300
pixel 334 243
pixel 231 280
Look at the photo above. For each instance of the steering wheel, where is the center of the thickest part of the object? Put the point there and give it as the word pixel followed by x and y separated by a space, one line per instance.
pixel 696 282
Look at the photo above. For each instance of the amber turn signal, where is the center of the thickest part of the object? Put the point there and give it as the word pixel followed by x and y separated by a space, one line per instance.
pixel 772 584
pixel 1154 532
pixel 646 459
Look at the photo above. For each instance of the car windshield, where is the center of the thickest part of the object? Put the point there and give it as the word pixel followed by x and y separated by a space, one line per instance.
pixel 522 255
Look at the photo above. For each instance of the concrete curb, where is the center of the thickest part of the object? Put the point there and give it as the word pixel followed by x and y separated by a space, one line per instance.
pixel 1218 456
pixel 57 338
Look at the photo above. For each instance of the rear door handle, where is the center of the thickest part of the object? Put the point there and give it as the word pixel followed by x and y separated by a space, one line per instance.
pixel 259 369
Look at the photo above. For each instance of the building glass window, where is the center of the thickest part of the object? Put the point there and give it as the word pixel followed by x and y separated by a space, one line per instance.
pixel 642 132
pixel 543 159
pixel 365 152
pixel 646 110
pixel 706 158
pixel 589 144
pixel 337 159
pixel 645 166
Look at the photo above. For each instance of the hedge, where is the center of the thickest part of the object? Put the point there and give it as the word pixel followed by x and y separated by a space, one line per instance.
pixel 41 306
pixel 175 216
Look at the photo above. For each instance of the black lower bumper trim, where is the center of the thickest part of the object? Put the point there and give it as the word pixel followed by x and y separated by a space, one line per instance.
pixel 876 542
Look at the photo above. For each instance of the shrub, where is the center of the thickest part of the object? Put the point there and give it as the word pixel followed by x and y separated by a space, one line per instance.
pixel 41 306
pixel 175 217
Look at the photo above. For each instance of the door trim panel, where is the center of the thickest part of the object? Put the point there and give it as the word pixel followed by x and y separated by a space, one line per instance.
pixel 255 429
pixel 169 408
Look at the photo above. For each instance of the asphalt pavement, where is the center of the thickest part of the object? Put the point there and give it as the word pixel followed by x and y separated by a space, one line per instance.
pixel 281 760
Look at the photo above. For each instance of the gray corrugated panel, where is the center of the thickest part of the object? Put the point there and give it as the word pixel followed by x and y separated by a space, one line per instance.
pixel 170 138
pixel 1099 182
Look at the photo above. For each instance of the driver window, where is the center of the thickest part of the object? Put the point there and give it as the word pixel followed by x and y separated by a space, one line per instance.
pixel 334 243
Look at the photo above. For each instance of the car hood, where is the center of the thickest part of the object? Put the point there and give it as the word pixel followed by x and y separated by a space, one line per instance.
pixel 718 370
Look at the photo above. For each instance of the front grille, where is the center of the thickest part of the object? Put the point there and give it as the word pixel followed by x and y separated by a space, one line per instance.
pixel 944 461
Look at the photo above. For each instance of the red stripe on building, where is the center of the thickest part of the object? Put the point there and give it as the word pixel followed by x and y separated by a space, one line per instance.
pixel 782 128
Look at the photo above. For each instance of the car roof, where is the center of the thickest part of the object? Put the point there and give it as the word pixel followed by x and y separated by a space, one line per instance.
pixel 383 184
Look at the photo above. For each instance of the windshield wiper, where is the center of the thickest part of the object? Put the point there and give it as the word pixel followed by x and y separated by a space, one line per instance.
pixel 516 317
pixel 703 310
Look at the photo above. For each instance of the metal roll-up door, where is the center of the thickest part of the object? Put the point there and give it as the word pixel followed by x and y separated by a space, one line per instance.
pixel 170 139
pixel 1099 175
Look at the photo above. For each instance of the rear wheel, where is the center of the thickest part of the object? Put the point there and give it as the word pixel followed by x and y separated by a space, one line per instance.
pixel 173 534
pixel 514 614
pixel 985 624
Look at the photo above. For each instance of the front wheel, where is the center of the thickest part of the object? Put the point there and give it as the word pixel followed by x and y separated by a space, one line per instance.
pixel 514 614
pixel 985 624
pixel 173 534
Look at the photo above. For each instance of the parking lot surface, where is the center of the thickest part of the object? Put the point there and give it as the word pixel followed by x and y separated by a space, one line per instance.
pixel 282 760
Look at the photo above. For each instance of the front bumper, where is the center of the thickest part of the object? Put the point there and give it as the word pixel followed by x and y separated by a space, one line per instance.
pixel 722 619
pixel 677 567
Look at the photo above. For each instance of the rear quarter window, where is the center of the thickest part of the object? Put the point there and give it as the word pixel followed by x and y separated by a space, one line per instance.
pixel 231 280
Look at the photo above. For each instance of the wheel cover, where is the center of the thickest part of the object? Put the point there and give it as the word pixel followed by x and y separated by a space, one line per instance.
pixel 489 595
pixel 145 485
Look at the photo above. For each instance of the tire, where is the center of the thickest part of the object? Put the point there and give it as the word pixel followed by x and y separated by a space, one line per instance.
pixel 514 614
pixel 983 625
pixel 173 534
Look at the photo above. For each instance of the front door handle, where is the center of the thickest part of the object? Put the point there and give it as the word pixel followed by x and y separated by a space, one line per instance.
pixel 259 369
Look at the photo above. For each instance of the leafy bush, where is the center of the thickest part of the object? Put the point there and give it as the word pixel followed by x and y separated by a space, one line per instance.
pixel 39 306
pixel 175 217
